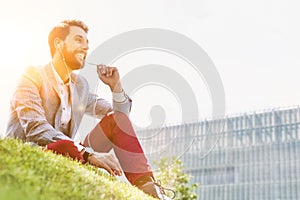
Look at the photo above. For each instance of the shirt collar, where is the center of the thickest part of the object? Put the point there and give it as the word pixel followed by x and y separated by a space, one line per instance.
pixel 58 80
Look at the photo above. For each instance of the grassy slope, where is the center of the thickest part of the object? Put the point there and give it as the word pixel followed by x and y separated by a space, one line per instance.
pixel 26 172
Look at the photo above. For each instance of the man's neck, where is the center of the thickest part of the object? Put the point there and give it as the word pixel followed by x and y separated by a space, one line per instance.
pixel 62 70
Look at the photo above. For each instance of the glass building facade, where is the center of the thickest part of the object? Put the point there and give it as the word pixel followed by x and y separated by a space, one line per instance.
pixel 253 156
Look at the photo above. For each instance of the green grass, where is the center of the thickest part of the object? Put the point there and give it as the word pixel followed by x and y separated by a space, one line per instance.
pixel 27 172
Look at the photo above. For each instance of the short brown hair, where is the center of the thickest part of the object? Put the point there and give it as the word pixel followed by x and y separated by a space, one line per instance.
pixel 62 30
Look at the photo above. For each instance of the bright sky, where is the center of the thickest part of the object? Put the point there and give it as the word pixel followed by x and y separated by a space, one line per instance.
pixel 255 46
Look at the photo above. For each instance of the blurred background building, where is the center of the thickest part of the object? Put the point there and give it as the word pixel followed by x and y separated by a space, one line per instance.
pixel 248 156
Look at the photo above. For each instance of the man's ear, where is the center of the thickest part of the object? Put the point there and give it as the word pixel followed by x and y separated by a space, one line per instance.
pixel 58 43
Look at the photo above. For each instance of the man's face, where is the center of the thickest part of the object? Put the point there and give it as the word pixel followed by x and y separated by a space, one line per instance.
pixel 75 48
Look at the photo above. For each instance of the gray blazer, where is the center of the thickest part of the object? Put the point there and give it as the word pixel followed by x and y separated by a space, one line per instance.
pixel 35 109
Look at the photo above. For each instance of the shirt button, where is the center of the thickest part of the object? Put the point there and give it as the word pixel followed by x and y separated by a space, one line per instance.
pixel 64 108
pixel 63 124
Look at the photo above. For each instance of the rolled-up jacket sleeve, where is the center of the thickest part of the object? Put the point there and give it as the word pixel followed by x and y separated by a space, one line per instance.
pixel 122 102
pixel 98 107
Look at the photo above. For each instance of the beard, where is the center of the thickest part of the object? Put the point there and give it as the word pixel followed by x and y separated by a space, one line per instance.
pixel 71 60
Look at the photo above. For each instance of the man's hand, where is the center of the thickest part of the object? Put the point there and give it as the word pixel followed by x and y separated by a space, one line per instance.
pixel 107 162
pixel 110 76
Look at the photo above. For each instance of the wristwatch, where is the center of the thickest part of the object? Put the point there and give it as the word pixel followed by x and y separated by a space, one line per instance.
pixel 87 152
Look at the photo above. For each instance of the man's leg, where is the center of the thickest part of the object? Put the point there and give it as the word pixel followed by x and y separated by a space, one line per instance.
pixel 115 131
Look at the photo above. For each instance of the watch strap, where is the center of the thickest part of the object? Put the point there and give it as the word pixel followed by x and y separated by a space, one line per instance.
pixel 86 156
pixel 88 151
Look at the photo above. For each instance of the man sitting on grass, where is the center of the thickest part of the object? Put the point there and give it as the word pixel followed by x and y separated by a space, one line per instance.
pixel 49 103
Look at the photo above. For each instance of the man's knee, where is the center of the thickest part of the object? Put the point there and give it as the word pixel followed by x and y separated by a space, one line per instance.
pixel 115 117
pixel 118 120
pixel 116 113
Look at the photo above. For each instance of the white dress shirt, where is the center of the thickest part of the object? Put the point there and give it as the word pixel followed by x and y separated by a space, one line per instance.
pixel 64 95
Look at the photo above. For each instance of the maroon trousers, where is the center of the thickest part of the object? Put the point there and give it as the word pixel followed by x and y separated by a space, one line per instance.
pixel 115 132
